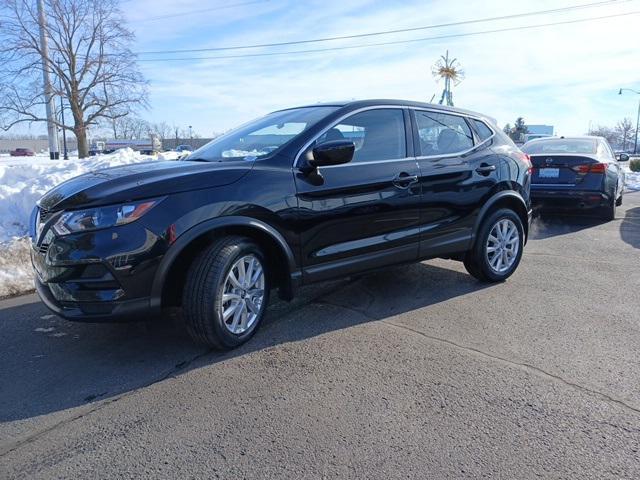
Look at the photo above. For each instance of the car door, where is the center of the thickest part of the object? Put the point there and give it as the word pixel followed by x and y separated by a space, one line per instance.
pixel 458 171
pixel 363 214
pixel 615 170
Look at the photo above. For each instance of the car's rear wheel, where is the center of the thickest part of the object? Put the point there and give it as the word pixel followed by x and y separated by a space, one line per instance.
pixel 226 293
pixel 498 247
pixel 609 212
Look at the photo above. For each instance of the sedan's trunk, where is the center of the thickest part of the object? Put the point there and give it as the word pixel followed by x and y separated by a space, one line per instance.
pixel 581 171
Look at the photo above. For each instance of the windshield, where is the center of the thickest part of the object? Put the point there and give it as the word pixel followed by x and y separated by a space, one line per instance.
pixel 261 137
pixel 561 145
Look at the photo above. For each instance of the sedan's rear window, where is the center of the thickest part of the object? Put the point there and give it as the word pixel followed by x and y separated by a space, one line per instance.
pixel 561 145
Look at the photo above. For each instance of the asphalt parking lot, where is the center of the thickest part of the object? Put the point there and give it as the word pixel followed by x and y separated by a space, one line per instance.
pixel 413 372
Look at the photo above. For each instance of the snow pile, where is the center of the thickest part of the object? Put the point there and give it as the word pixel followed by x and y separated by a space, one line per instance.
pixel 23 180
pixel 16 275
pixel 632 179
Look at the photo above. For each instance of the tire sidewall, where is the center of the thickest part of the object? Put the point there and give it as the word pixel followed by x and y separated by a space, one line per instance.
pixel 481 244
pixel 227 338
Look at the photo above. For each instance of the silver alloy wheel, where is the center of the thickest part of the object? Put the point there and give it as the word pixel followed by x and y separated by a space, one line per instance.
pixel 503 245
pixel 242 294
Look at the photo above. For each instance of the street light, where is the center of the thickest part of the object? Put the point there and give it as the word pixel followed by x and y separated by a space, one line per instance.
pixel 635 144
pixel 190 134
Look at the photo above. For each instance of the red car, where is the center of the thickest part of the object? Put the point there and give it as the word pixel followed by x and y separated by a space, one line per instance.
pixel 21 152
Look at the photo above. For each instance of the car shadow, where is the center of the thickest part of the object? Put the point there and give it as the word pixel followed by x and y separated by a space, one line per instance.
pixel 51 365
pixel 630 227
pixel 549 223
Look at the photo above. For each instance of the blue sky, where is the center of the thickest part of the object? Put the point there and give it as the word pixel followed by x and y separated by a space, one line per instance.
pixel 564 75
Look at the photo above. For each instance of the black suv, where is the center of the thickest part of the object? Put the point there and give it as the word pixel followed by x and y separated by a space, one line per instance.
pixel 298 196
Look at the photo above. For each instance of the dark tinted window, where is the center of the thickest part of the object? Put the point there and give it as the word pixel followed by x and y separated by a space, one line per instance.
pixel 483 131
pixel 441 133
pixel 378 134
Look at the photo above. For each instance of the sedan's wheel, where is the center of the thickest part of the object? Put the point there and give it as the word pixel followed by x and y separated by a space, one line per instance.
pixel 498 247
pixel 226 293
pixel 609 212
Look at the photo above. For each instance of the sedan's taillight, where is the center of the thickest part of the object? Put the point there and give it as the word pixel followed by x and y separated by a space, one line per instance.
pixel 590 168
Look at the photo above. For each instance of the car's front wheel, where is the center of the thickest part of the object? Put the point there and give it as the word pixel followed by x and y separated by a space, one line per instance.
pixel 226 293
pixel 498 247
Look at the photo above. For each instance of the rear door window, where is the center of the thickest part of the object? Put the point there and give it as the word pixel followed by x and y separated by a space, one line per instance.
pixel 442 133
pixel 482 130
pixel 605 150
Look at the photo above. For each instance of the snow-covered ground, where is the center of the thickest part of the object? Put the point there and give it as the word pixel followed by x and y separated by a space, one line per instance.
pixel 23 180
pixel 632 179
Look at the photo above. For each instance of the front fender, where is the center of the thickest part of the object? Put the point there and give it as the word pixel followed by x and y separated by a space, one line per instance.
pixel 207 227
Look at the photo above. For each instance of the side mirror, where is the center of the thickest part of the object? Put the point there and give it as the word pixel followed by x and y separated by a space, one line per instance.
pixel 623 157
pixel 335 152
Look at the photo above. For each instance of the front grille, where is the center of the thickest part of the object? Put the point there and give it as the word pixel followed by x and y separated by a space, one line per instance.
pixel 44 215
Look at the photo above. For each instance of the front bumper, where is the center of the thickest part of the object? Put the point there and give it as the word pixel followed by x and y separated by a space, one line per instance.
pixel 118 311
pixel 559 199
pixel 100 276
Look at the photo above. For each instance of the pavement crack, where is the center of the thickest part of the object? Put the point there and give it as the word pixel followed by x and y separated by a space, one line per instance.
pixel 35 436
pixel 475 351
pixel 523 365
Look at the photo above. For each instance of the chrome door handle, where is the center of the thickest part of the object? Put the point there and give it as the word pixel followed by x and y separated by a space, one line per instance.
pixel 404 180
pixel 485 169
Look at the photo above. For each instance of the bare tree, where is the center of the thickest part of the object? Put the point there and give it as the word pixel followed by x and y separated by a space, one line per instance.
pixel 90 62
pixel 162 129
pixel 127 127
pixel 625 131
pixel 187 134
pixel 606 132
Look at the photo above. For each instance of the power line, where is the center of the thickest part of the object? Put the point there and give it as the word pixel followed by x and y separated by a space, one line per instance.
pixel 396 42
pixel 389 32
pixel 203 10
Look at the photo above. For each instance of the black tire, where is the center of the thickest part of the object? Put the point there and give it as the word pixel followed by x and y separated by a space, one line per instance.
pixel 476 261
pixel 202 295
pixel 609 212
pixel 619 201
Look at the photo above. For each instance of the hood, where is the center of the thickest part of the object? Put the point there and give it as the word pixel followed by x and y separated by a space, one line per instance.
pixel 141 180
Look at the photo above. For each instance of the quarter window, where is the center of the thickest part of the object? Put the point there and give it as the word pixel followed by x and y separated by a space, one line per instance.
pixel 442 134
pixel 483 131
pixel 378 134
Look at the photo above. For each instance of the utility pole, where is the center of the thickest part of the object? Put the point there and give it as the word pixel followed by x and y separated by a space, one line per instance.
pixel 54 152
pixel 635 143
pixel 64 130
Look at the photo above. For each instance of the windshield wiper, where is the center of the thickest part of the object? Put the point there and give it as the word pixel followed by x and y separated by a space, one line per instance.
pixel 189 159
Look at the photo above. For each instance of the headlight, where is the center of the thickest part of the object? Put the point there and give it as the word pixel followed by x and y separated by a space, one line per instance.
pixel 102 217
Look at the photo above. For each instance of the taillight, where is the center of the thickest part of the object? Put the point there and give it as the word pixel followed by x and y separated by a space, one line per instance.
pixel 590 168
pixel 527 160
